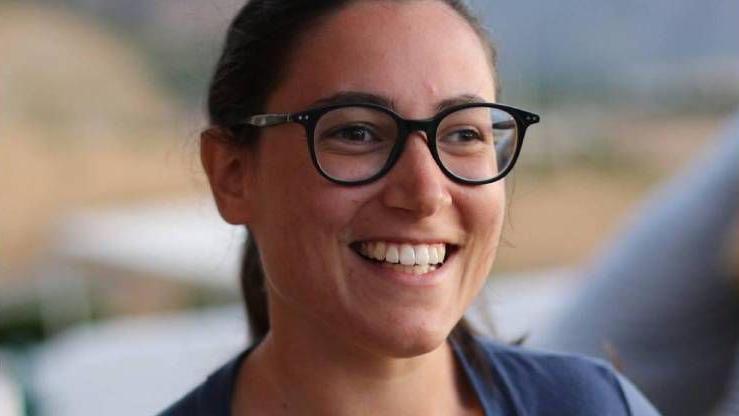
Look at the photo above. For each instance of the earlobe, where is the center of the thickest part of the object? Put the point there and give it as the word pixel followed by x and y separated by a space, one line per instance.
pixel 225 164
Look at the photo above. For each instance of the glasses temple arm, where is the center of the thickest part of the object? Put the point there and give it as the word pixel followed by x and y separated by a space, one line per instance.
pixel 266 120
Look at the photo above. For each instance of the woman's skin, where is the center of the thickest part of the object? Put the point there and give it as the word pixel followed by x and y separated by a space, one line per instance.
pixel 349 336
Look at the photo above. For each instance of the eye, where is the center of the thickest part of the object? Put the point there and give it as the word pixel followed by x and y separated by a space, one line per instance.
pixel 462 135
pixel 353 133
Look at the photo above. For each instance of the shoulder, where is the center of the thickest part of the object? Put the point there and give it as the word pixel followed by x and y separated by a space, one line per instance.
pixel 212 397
pixel 547 383
pixel 190 404
pixel 549 368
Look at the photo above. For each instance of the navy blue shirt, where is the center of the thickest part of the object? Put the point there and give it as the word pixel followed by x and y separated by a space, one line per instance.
pixel 527 383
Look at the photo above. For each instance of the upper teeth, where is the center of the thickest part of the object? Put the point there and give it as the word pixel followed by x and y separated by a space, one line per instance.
pixel 405 254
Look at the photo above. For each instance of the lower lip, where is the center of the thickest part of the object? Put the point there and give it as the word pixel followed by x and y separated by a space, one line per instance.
pixel 431 278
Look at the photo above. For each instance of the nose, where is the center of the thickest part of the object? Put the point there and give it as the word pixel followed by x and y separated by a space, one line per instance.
pixel 416 184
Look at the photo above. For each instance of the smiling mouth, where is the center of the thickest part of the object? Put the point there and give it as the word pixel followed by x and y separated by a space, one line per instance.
pixel 404 257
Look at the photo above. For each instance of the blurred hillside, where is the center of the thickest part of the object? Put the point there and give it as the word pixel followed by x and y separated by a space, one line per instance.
pixel 83 120
pixel 180 38
pixel 68 74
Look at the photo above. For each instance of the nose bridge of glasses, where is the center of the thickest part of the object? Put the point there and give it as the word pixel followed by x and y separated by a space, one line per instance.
pixel 426 128
pixel 423 126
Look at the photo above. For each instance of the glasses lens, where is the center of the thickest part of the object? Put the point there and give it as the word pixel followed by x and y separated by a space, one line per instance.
pixel 354 143
pixel 477 143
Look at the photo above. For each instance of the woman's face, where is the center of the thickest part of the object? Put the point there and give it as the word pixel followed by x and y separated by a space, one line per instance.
pixel 315 236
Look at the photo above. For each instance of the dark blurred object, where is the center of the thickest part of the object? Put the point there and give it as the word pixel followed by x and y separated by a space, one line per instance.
pixel 662 300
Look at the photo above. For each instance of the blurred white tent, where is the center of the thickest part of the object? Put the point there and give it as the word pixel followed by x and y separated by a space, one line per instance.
pixel 11 398
pixel 134 366
pixel 181 240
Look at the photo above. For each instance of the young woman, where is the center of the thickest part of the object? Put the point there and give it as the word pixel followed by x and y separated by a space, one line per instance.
pixel 360 143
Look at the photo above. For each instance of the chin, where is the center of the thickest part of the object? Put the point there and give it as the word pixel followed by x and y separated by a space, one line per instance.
pixel 406 340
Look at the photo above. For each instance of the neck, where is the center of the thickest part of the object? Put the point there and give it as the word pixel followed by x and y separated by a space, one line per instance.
pixel 297 373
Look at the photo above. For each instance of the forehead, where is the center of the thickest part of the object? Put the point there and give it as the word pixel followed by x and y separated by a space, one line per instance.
pixel 415 53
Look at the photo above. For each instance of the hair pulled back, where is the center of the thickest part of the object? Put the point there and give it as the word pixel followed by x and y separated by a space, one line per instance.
pixel 252 64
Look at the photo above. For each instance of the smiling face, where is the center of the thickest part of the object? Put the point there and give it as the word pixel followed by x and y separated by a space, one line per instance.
pixel 327 249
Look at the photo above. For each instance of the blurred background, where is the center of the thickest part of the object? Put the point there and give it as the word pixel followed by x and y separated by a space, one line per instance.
pixel 118 285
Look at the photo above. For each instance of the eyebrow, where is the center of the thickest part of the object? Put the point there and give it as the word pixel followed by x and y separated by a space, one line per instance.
pixel 459 100
pixel 358 97
pixel 354 97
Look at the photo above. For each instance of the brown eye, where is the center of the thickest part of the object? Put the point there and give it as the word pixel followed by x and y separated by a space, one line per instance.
pixel 462 136
pixel 357 134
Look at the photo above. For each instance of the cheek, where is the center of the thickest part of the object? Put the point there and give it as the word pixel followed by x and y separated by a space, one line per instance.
pixel 483 214
pixel 300 219
pixel 484 208
pixel 290 186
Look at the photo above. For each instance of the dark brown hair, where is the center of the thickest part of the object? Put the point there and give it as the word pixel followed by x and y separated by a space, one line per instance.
pixel 253 61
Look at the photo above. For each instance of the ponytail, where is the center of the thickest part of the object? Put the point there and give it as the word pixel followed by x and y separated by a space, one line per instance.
pixel 254 292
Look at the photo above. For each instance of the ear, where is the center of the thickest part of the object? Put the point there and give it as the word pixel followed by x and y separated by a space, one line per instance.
pixel 226 166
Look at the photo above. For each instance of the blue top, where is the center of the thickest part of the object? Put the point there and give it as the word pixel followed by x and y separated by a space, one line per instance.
pixel 527 384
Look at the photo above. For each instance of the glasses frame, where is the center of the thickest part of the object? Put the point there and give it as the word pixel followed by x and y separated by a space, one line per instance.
pixel 309 119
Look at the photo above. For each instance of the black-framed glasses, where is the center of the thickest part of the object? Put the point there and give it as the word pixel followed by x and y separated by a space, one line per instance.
pixel 355 144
